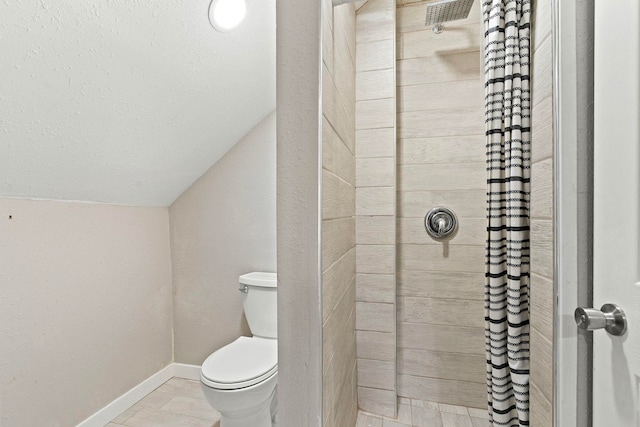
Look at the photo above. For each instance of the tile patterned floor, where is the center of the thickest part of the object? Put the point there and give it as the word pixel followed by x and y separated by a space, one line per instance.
pixel 176 403
pixel 418 413
pixel 180 403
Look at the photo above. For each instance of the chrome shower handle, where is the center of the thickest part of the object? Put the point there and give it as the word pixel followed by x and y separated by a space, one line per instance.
pixel 441 223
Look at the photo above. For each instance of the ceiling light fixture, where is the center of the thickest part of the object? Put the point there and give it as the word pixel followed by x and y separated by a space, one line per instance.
pixel 225 15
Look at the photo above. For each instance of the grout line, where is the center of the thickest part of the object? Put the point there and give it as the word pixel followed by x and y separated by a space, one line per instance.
pixel 374 157
pixel 541 159
pixel 339 259
pixel 479 78
pixel 409 138
pixel 476 218
pixel 440 244
pixel 445 379
pixel 362 413
pixel 459 298
pixel 472 329
pixel 382 98
pixel 330 172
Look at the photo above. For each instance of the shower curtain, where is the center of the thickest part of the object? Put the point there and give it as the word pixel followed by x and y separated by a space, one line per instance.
pixel 508 137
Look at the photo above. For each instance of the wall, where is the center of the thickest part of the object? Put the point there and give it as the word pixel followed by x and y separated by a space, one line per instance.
pixel 223 226
pixel 299 314
pixel 376 207
pixel 85 307
pixel 298 42
pixel 542 243
pixel 338 262
pixel 441 162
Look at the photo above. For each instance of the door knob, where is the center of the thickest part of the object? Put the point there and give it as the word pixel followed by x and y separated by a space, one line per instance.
pixel 610 317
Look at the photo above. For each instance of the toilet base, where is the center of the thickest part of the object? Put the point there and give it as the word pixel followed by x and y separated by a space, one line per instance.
pixel 263 417
pixel 253 406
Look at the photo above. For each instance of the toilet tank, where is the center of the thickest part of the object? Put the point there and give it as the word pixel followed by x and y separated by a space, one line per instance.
pixel 260 303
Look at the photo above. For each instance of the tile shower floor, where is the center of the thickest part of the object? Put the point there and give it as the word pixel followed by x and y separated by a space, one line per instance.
pixel 176 403
pixel 418 413
pixel 179 403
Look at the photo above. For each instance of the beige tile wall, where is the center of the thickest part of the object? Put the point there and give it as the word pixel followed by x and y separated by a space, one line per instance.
pixel 338 216
pixel 376 207
pixel 542 255
pixel 441 161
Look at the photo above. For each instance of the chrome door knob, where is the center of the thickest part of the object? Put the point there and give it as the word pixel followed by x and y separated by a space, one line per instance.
pixel 610 317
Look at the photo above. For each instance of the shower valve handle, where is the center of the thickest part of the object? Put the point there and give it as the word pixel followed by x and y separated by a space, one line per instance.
pixel 441 223
pixel 610 317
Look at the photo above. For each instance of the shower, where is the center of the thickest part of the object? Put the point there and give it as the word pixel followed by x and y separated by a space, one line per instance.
pixel 445 11
pixel 417 142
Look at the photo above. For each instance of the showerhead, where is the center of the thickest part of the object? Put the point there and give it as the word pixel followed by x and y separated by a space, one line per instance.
pixel 441 11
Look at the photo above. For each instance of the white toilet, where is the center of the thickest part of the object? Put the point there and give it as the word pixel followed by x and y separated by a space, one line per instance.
pixel 239 380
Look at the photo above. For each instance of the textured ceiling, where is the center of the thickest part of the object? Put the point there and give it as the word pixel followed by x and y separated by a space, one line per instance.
pixel 125 101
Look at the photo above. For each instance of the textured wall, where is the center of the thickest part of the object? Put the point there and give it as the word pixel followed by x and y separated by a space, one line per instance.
pixel 376 207
pixel 223 226
pixel 299 314
pixel 441 162
pixel 85 307
pixel 542 255
pixel 338 215
pixel 126 102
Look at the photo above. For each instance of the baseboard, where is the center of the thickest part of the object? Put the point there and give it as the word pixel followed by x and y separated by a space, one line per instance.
pixel 130 398
pixel 190 372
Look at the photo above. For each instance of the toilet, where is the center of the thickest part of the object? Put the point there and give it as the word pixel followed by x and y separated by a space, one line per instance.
pixel 239 380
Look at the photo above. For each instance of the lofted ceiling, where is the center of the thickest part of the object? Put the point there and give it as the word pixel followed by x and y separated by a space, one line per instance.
pixel 125 101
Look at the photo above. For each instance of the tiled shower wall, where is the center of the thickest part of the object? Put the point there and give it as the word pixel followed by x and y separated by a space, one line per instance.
pixel 441 162
pixel 339 397
pixel 542 257
pixel 376 207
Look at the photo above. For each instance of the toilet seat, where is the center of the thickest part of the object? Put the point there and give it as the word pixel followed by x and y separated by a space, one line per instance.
pixel 243 363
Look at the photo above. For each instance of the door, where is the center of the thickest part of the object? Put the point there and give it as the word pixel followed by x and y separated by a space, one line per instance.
pixel 617 209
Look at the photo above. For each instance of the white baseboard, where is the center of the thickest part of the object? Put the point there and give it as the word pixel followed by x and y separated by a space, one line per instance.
pixel 190 372
pixel 130 398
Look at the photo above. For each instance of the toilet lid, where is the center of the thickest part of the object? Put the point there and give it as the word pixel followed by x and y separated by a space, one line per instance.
pixel 244 362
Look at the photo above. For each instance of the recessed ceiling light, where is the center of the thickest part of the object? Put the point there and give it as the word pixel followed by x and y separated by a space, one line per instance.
pixel 225 15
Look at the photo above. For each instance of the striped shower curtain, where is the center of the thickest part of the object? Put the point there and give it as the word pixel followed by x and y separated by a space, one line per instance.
pixel 506 42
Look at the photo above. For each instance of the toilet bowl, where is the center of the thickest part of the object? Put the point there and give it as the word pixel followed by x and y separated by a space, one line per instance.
pixel 239 380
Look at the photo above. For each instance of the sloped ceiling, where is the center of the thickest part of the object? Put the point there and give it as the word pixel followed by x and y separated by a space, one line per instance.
pixel 125 101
